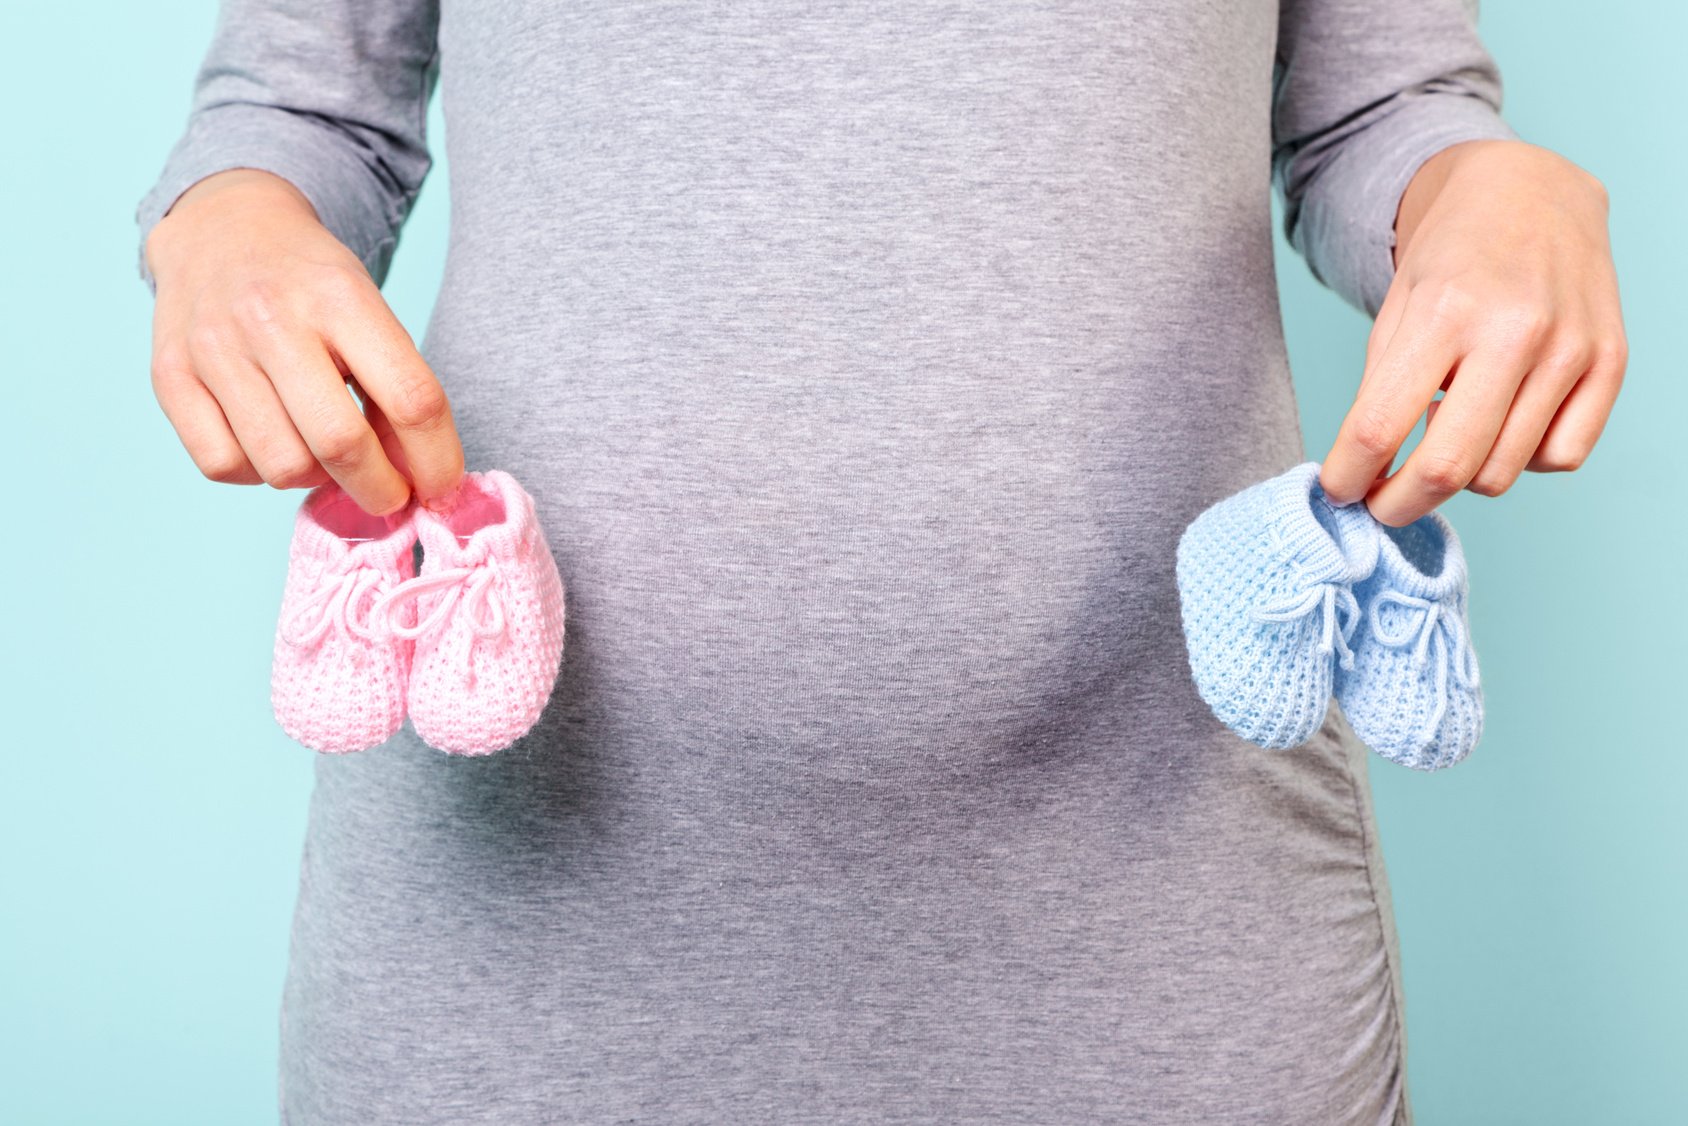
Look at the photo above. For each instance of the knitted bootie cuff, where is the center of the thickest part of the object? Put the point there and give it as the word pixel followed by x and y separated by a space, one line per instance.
pixel 1424 559
pixel 1328 543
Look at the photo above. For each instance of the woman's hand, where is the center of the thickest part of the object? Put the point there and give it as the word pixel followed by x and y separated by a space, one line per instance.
pixel 262 318
pixel 1506 298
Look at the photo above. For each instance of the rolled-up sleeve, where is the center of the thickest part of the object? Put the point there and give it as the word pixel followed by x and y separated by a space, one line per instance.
pixel 1364 92
pixel 331 96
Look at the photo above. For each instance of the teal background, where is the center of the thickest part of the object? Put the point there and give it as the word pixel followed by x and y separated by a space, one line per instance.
pixel 151 812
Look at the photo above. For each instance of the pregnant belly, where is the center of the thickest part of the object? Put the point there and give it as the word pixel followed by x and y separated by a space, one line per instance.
pixel 861 539
pixel 880 621
pixel 942 580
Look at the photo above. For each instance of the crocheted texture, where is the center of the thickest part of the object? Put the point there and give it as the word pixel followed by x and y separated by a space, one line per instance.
pixel 1265 582
pixel 336 685
pixel 1414 694
pixel 488 619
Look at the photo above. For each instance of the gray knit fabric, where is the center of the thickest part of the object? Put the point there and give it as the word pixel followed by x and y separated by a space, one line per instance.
pixel 865 360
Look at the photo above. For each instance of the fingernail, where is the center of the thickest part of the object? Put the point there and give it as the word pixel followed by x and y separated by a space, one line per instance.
pixel 444 503
pixel 395 508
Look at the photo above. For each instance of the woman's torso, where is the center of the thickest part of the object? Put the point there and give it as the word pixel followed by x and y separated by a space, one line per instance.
pixel 865 362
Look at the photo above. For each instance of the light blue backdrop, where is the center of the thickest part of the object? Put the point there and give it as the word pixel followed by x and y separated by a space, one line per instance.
pixel 151 813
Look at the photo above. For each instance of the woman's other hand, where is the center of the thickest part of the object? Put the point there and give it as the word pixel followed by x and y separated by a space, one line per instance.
pixel 1505 297
pixel 262 316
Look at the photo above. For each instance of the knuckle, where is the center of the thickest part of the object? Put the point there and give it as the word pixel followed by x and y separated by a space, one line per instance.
pixel 1445 472
pixel 418 402
pixel 1569 355
pixel 211 338
pixel 1564 460
pixel 170 366
pixel 1452 304
pixel 225 466
pixel 1524 326
pixel 1596 186
pixel 257 306
pixel 1492 482
pixel 1376 434
pixel 336 289
pixel 1611 354
pixel 341 444
pixel 291 472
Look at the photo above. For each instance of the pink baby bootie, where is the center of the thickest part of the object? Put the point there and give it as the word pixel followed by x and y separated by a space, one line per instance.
pixel 486 618
pixel 336 684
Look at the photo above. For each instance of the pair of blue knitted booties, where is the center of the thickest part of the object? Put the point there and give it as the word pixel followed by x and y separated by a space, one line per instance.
pixel 1288 599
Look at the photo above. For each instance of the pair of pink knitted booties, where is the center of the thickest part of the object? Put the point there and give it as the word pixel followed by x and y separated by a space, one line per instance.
pixel 469 648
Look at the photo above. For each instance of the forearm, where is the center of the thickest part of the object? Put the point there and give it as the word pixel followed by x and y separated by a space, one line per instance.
pixel 1364 96
pixel 330 95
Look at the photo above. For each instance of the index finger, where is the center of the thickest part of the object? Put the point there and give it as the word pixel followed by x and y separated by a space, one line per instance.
pixel 381 356
pixel 1396 390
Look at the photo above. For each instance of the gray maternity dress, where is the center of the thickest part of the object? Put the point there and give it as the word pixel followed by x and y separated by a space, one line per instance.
pixel 866 360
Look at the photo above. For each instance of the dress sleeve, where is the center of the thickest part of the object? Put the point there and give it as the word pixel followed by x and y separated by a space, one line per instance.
pixel 331 95
pixel 1364 92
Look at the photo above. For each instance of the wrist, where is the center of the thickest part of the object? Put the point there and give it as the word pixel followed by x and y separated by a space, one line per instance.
pixel 1427 183
pixel 236 197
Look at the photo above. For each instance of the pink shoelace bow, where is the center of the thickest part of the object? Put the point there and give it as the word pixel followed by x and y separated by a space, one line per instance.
pixel 334 605
pixel 470 588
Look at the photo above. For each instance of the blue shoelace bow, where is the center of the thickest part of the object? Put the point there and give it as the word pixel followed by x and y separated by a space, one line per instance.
pixel 1435 628
pixel 1338 602
pixel 1333 594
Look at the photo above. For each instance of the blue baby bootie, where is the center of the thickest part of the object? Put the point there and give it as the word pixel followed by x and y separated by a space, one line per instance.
pixel 1413 694
pixel 1265 582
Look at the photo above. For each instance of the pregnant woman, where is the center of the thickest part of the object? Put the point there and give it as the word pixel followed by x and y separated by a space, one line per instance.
pixel 865 361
